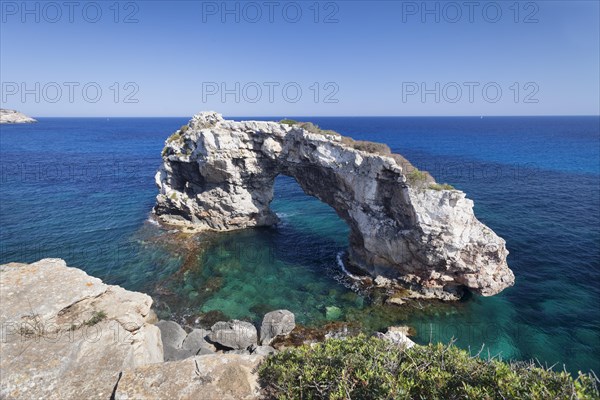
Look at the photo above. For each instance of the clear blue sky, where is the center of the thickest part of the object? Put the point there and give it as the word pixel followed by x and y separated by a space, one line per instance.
pixel 374 60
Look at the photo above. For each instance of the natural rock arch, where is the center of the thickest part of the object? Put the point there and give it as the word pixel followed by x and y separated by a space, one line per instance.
pixel 405 230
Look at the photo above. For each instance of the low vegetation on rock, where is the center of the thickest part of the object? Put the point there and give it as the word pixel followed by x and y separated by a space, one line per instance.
pixel 371 368
pixel 369 147
pixel 98 316
pixel 443 186
pixel 175 137
pixel 416 176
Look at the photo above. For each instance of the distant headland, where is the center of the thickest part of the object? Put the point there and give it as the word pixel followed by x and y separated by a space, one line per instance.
pixel 14 117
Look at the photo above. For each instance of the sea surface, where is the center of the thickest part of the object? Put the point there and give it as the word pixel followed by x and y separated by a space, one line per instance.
pixel 82 190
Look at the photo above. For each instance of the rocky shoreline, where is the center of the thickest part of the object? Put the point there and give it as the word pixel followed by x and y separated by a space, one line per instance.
pixel 68 335
pixel 14 117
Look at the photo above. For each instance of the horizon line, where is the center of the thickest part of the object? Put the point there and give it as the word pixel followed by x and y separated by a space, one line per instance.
pixel 320 116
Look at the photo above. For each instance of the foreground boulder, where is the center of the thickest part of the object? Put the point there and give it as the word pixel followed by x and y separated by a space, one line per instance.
pixel 236 335
pixel 275 323
pixel 196 343
pixel 405 230
pixel 210 377
pixel 67 335
pixel 179 345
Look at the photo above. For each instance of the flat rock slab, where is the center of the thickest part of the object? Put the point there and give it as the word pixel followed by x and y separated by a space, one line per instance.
pixel 67 335
pixel 43 288
pixel 210 377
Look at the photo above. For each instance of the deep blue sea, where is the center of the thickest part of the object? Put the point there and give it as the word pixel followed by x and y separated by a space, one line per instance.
pixel 82 190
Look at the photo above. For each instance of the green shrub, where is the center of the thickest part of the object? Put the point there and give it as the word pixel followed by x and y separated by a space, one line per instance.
pixel 416 176
pixel 372 147
pixel 443 186
pixel 309 126
pixel 312 128
pixel 369 147
pixel 288 122
pixel 371 368
pixel 178 134
pixel 174 137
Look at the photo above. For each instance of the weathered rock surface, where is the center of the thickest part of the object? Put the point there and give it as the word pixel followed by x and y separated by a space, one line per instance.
pixel 179 345
pixel 275 323
pixel 67 335
pixel 196 340
pixel 263 350
pixel 171 333
pixel 172 336
pixel 236 335
pixel 219 175
pixel 14 117
pixel 210 377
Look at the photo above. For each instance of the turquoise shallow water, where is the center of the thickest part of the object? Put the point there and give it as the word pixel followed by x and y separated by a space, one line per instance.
pixel 82 190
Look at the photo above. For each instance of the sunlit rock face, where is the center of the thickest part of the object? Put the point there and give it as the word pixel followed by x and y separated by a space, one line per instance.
pixel 405 231
pixel 68 335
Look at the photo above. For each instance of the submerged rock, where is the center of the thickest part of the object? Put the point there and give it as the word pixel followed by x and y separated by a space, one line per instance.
pixel 333 313
pixel 405 230
pixel 302 335
pixel 236 335
pixel 275 323
pixel 14 117
pixel 208 319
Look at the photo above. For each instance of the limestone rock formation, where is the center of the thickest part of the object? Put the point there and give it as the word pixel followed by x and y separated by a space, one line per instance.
pixel 14 117
pixel 405 230
pixel 67 335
